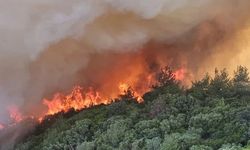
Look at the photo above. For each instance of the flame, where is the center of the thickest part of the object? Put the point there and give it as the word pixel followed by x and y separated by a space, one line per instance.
pixel 77 100
pixel 125 87
pixel 15 117
pixel 80 98
pixel 15 114
pixel 180 74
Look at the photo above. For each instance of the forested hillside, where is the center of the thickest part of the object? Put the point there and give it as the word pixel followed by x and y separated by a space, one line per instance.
pixel 214 113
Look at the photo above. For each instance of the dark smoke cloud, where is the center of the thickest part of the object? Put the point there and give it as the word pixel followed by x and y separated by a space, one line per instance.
pixel 48 46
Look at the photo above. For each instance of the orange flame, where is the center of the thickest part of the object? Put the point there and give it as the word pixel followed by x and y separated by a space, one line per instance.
pixel 81 98
pixel 125 87
pixel 77 100
pixel 180 74
pixel 15 114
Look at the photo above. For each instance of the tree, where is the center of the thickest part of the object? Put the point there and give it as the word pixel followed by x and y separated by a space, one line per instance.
pixel 221 84
pixel 86 146
pixel 115 133
pixel 165 77
pixel 148 129
pixel 153 144
pixel 199 88
pixel 173 124
pixel 184 104
pixel 158 106
pixel 230 147
pixel 241 74
pixel 209 123
pixel 241 81
pixel 178 141
pixel 171 142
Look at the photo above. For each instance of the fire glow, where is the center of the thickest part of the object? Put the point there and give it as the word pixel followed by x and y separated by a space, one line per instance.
pixel 15 114
pixel 80 98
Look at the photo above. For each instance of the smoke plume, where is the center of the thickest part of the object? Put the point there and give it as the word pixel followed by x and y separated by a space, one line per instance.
pixel 48 46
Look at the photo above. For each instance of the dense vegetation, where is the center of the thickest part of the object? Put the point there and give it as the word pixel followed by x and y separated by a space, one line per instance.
pixel 213 114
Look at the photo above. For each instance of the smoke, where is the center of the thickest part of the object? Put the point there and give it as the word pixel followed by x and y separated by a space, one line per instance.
pixel 48 46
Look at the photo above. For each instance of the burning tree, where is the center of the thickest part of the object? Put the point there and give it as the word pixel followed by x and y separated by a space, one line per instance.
pixel 165 77
pixel 241 74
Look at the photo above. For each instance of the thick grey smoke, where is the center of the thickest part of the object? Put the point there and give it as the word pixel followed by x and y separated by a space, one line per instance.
pixel 44 44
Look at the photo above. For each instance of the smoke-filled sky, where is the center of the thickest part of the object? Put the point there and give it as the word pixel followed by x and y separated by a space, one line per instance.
pixel 48 46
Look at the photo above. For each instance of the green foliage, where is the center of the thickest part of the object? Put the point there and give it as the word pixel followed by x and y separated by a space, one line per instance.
pixel 69 139
pixel 86 146
pixel 213 114
pixel 178 141
pixel 153 144
pixel 200 88
pixel 173 124
pixel 230 147
pixel 115 133
pixel 158 107
pixel 201 147
pixel 147 129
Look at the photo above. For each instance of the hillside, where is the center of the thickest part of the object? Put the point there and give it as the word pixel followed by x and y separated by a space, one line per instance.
pixel 214 113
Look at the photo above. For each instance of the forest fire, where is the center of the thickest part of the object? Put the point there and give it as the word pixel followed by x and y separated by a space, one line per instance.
pixel 77 100
pixel 180 74
pixel 15 117
pixel 125 87
pixel 59 58
pixel 81 98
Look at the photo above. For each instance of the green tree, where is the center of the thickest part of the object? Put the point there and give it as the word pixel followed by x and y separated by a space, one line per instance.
pixel 230 147
pixel 148 129
pixel 199 88
pixel 86 146
pixel 221 84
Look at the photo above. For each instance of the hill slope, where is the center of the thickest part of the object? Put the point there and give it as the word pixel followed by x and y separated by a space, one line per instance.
pixel 213 114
